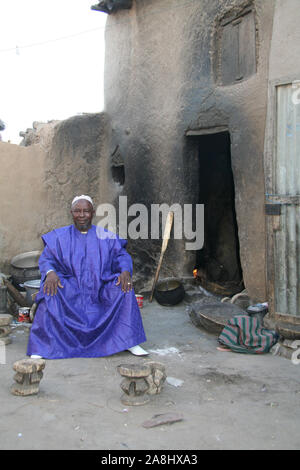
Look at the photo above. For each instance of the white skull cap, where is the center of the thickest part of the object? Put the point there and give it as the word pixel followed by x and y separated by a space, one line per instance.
pixel 87 198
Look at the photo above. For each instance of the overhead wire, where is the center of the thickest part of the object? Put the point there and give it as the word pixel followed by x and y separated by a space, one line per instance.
pixel 18 47
pixel 47 41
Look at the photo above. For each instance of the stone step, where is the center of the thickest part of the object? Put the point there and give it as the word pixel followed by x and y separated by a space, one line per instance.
pixel 5 319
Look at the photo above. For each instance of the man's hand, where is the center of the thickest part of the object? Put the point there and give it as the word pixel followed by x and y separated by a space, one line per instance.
pixel 51 284
pixel 125 280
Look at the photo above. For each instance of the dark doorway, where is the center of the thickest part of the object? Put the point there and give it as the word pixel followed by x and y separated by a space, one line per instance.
pixel 218 263
pixel 118 174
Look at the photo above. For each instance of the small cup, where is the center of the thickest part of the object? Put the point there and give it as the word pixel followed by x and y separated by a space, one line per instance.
pixel 140 300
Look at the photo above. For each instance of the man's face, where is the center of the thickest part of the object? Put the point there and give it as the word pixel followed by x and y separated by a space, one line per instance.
pixel 82 212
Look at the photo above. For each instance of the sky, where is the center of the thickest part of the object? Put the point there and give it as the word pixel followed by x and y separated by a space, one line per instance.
pixel 52 62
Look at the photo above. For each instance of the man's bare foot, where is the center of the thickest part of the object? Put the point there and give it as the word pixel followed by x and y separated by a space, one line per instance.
pixel 223 348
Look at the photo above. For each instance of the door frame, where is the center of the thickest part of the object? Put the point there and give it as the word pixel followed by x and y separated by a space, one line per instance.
pixel 272 201
pixel 194 135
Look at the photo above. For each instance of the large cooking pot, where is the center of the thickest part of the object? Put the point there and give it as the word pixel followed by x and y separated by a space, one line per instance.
pixel 169 291
pixel 32 287
pixel 25 267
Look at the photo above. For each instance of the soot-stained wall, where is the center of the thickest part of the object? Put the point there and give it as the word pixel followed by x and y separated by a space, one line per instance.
pixel 174 69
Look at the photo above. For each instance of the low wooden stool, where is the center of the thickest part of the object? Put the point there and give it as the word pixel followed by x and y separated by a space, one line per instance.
pixel 28 376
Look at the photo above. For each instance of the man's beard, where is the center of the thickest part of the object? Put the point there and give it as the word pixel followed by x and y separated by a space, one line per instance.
pixel 83 227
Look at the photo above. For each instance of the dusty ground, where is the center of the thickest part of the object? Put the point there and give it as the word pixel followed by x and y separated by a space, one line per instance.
pixel 228 400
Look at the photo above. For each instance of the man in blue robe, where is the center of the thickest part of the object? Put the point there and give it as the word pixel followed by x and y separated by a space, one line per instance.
pixel 86 304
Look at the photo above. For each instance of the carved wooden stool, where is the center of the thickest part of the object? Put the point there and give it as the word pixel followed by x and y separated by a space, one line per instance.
pixel 141 380
pixel 28 376
pixel 134 384
pixel 156 378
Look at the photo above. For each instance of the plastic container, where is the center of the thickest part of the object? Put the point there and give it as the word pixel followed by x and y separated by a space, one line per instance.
pixel 24 315
pixel 140 300
pixel 258 311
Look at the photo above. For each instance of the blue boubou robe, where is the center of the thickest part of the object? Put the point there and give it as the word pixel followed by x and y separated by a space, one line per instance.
pixel 90 316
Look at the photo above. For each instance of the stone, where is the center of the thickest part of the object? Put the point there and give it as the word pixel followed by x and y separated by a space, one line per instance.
pixel 290 343
pixel 175 382
pixel 5 340
pixel 280 350
pixel 288 348
pixel 5 331
pixel 5 319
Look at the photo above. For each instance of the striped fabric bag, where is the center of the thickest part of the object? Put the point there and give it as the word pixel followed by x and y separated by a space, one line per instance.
pixel 245 334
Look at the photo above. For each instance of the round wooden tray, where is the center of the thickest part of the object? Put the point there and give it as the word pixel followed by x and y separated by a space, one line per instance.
pixel 213 317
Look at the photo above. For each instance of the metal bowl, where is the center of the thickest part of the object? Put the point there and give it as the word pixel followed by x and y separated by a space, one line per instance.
pixel 25 267
pixel 32 287
pixel 27 260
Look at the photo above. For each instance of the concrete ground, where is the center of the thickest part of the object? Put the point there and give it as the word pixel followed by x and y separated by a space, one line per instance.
pixel 228 400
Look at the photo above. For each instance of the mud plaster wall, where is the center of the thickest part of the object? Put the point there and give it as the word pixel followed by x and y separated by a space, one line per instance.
pixel 78 163
pixel 23 200
pixel 284 56
pixel 159 82
pixel 38 182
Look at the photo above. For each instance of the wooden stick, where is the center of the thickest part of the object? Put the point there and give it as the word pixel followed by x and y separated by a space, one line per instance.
pixel 15 294
pixel 166 238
